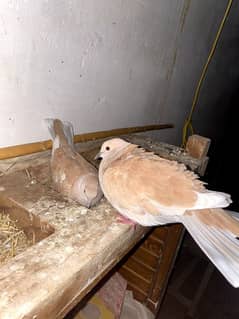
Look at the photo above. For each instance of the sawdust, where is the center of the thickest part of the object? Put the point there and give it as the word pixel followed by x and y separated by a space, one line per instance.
pixel 13 240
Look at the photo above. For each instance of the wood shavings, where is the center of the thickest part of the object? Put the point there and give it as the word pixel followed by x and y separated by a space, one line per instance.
pixel 12 239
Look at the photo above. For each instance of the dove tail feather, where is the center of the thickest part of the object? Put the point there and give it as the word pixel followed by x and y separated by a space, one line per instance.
pixel 61 132
pixel 212 199
pixel 233 214
pixel 217 241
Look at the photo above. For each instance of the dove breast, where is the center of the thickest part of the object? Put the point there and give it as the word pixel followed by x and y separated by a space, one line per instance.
pixel 74 177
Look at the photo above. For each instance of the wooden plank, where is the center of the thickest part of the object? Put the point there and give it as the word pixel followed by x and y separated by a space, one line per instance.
pixel 73 259
pixel 159 284
pixel 148 282
pixel 135 278
pixel 34 228
pixel 138 294
pixel 146 256
pixel 140 267
pixel 153 245
pixel 24 149
pixel 160 233
pixel 197 146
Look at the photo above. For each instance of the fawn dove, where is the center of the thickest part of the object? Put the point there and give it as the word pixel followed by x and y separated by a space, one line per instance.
pixel 150 190
pixel 72 175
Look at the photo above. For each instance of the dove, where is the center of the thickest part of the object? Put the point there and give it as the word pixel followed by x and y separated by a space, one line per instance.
pixel 150 190
pixel 72 175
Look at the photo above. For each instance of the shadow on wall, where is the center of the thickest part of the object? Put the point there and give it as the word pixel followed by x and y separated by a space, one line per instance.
pixel 223 168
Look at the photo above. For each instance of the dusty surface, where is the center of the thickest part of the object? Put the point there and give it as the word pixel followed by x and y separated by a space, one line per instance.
pixel 48 278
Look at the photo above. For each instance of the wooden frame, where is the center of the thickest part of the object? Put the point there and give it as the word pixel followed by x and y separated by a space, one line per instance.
pixel 24 149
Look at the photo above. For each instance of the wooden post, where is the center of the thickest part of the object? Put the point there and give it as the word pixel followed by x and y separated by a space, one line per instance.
pixel 197 146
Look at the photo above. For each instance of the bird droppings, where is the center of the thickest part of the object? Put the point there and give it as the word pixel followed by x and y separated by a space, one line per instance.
pixel 33 181
pixel 84 211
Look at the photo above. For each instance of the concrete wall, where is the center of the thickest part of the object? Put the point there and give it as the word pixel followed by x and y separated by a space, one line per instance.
pixel 100 64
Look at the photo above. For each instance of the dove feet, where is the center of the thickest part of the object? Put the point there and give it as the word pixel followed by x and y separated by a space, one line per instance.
pixel 124 220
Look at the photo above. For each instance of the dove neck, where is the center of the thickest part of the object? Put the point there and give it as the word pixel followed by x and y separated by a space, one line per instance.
pixel 116 155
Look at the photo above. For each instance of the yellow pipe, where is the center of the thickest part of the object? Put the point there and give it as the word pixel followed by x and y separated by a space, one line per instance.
pixel 188 123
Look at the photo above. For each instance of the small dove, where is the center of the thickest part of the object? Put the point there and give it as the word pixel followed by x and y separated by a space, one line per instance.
pixel 150 190
pixel 72 175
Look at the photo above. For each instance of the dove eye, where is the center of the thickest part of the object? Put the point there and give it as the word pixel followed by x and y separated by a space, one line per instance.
pixel 107 148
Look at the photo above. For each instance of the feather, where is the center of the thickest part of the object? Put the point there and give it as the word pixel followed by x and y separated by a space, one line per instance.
pixel 216 240
pixel 153 191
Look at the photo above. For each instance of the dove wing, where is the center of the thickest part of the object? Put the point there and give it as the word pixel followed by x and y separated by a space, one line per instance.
pixel 148 181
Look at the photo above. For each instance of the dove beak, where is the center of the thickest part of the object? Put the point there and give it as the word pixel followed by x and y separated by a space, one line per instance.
pixel 98 156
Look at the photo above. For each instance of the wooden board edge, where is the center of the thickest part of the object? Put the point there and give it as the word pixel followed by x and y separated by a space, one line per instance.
pixel 25 149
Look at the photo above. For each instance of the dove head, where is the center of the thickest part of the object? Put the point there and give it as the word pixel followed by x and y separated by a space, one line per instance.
pixel 112 148
pixel 86 190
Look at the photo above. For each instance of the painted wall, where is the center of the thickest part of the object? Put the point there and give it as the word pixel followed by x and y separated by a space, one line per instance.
pixel 100 64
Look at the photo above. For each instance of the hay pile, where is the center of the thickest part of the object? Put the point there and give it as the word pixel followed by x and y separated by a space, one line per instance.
pixel 12 239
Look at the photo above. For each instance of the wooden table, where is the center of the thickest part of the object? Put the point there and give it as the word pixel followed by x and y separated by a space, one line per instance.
pixel 75 247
